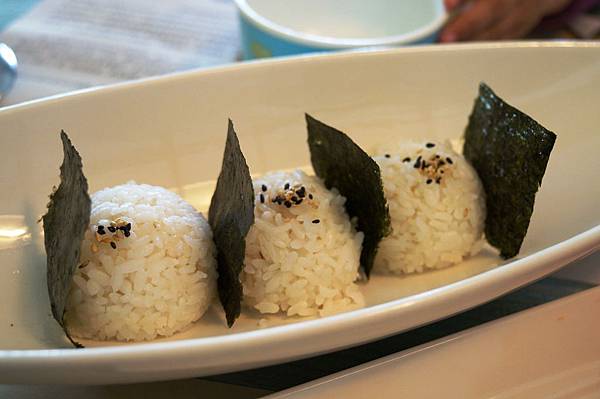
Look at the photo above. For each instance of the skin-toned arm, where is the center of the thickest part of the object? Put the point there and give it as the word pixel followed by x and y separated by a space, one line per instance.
pixel 496 19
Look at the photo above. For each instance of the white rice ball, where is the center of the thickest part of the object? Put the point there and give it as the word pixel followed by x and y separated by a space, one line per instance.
pixel 149 271
pixel 437 207
pixel 303 252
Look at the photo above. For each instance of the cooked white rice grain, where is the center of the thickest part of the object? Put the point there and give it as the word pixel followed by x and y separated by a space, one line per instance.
pixel 150 281
pixel 437 209
pixel 303 253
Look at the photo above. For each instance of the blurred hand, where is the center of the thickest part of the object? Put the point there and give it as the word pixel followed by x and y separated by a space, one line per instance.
pixel 496 19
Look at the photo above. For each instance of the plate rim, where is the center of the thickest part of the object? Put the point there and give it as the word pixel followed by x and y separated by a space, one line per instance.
pixel 312 57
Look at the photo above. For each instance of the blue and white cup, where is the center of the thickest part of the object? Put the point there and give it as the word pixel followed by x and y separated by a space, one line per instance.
pixel 284 27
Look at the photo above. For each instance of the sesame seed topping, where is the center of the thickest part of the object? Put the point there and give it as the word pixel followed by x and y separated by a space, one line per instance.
pixel 449 160
pixel 262 198
pixel 316 221
pixel 430 145
pixel 407 159
pixel 287 204
pixel 310 196
pixel 387 155
pixel 417 164
pixel 287 186
pixel 429 181
pixel 263 188
pixel 112 229
pixel 438 180
pixel 113 245
pixel 126 233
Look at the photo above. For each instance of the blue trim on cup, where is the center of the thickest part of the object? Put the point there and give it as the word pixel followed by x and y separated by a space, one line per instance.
pixel 257 43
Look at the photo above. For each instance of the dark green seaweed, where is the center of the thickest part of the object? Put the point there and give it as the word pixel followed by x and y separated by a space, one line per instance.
pixel 231 215
pixel 344 165
pixel 65 223
pixel 509 151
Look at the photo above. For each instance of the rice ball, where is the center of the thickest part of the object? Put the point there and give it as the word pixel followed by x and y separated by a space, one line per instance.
pixel 303 252
pixel 147 266
pixel 437 208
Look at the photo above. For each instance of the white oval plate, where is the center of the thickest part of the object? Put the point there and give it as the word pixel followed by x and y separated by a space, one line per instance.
pixel 170 131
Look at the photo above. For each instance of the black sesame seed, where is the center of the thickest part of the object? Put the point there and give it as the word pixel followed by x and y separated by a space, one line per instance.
pixel 429 145
pixel 438 180
pixel 263 188
pixel 128 227
pixel 441 163
pixel 449 160
pixel 287 186
pixel 437 157
pixel 388 156
pixel 441 171
pixel 294 198
pixel 287 204
pixel 418 163
pixel 316 221
pixel 429 181
pixel 407 159
pixel 127 233
pixel 299 201
pixel 262 198
pixel 101 229
pixel 113 245
pixel 310 196
pixel 301 194
pixel 112 229
pixel 101 232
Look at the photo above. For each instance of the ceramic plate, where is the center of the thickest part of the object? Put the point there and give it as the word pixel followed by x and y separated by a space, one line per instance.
pixel 170 132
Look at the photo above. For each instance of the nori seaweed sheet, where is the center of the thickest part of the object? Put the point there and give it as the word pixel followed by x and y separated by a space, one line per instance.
pixel 344 165
pixel 509 151
pixel 231 214
pixel 65 223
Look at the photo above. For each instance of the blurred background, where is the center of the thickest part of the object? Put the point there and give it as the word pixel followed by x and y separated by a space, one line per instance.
pixel 65 45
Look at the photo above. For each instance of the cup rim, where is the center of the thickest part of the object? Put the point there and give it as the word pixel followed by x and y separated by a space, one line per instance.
pixel 326 42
